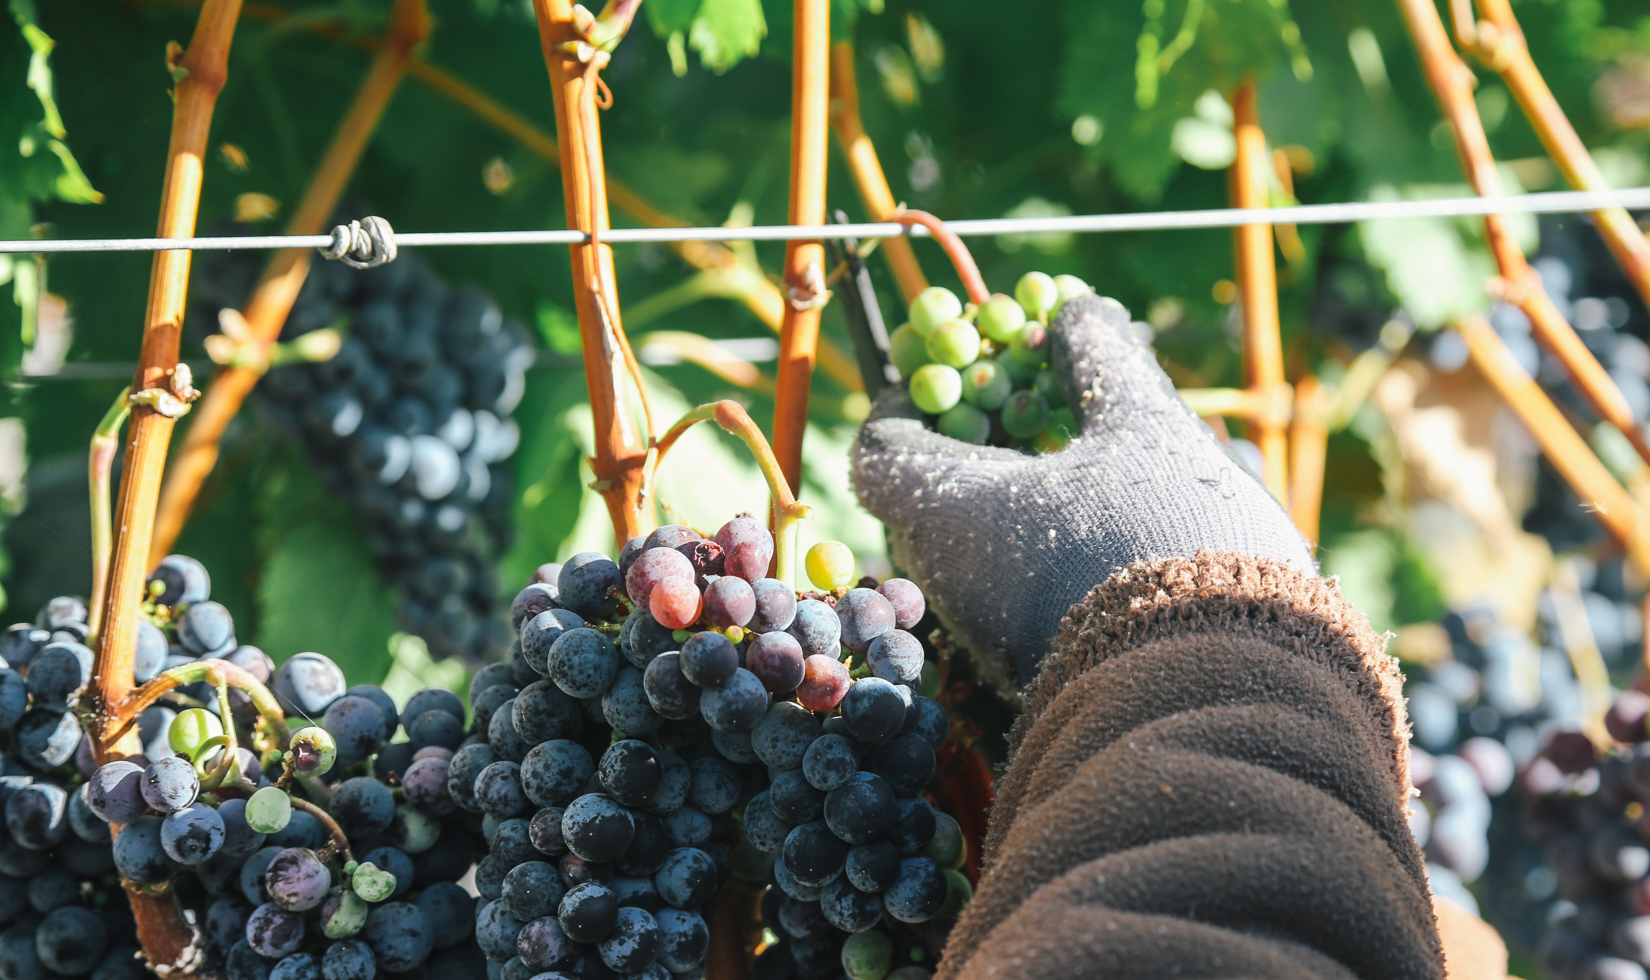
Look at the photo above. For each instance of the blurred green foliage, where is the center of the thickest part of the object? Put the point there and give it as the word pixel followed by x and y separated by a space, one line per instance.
pixel 978 110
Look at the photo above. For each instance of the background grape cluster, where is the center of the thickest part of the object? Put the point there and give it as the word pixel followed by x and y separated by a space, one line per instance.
pixel 676 719
pixel 410 421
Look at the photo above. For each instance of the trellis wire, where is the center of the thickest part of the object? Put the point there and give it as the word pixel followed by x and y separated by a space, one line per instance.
pixel 1549 202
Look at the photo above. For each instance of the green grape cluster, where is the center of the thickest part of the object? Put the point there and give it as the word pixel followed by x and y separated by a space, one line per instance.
pixel 983 371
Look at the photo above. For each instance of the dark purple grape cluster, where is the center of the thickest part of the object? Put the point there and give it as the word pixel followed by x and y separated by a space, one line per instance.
pixel 410 421
pixel 678 717
pixel 62 910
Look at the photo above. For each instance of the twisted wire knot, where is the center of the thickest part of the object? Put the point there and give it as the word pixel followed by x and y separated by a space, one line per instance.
pixel 362 244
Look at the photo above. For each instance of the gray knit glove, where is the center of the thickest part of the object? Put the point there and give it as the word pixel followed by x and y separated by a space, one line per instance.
pixel 1003 543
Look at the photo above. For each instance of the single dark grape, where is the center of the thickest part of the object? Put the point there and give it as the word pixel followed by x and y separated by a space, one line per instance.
pixel 46 738
pixel 734 746
pixel 588 912
pixel 193 834
pixel 914 827
pixel 435 727
pixel 638 893
pixel 625 705
pixel 917 893
pixel 450 912
pixel 642 638
pixel 747 548
pixel 115 792
pixel 634 943
pixel 817 628
pixel 536 598
pixel 786 731
pixel 37 815
pixel 583 663
pixel 630 772
pixel 775 606
pixel 687 826
pixel 348 959
pixel 864 615
pixel 362 806
pixel 715 784
pixel 905 762
pixel 729 601
pixel 508 744
pixel 274 932
pixel 183 580
pixel 399 935
pixel 793 799
pixel 226 921
pixel 425 785
pixel 738 706
pixel 496 930
pixel 777 661
pixel 708 660
pixel 597 828
pixel 830 762
pixel 392 760
pixel 545 831
pixel 541 632
pixel 70 940
pixel 862 810
pixel 556 772
pixel 532 889
pixel 907 600
pixel 489 676
pixel 83 822
pixel 849 909
pixel 498 790
pixel 467 763
pixel 895 656
pixel 357 725
pixel 296 879
pixel 687 879
pixel 873 709
pixel 205 627
pixel 59 675
pixel 814 854
pixel 648 848
pixel 584 583
pixel 668 690
pixel 928 721
pixel 307 683
pixel 825 682
pixel 541 945
pixel 675 782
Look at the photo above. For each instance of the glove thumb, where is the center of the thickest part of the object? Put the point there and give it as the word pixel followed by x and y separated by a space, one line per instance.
pixel 1108 375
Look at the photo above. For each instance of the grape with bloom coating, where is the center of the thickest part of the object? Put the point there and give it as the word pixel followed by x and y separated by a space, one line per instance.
pixel 115 792
pixel 193 834
pixel 297 880
pixel 935 388
pixel 986 385
pixel 830 565
pixel 170 784
pixel 729 601
pixel 777 661
pixel 907 600
pixel 1025 414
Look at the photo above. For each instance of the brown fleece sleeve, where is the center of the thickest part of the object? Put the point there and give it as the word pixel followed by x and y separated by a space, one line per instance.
pixel 1208 781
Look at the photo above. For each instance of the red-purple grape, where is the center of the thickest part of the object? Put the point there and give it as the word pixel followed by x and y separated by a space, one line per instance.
pixel 729 601
pixel 824 683
pixel 653 566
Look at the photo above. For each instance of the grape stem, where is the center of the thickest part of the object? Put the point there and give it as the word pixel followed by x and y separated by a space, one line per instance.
pixel 961 258
pixel 100 461
pixel 732 417
pixel 119 719
pixel 337 843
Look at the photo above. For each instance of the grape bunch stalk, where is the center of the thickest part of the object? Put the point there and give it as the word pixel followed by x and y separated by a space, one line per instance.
pixel 318 854
pixel 676 718
pixel 410 422
pixel 983 372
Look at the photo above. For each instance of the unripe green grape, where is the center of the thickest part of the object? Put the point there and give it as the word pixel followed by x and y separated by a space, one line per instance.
pixel 868 955
pixel 932 307
pixel 1025 414
pixel 190 730
pixel 268 810
pixel 1030 346
pixel 1020 374
pixel 936 387
pixel 371 882
pixel 1069 288
pixel 954 342
pixel 907 349
pixel 986 385
pixel 343 915
pixel 957 893
pixel 1000 318
pixel 1048 386
pixel 830 565
pixel 965 423
pixel 1037 294
pixel 313 751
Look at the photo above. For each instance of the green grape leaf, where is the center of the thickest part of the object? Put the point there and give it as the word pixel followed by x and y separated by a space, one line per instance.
pixel 667 17
pixel 725 32
pixel 47 131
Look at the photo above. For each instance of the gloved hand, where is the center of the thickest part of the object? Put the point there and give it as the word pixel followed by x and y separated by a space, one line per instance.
pixel 1003 543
